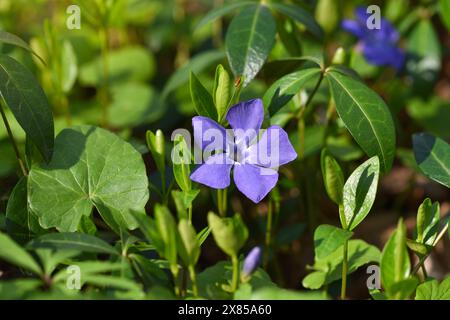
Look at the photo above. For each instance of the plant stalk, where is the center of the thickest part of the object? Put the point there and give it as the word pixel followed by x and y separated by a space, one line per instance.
pixel 344 271
pixel 235 278
pixel 13 142
pixel 268 234
pixel 193 276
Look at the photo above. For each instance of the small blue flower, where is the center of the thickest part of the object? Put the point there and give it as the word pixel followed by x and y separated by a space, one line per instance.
pixel 251 262
pixel 254 158
pixel 379 46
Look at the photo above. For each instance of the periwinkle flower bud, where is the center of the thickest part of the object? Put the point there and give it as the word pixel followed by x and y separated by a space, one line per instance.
pixel 251 262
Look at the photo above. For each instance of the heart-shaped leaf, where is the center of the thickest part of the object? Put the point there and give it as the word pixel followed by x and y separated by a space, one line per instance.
pixel 365 115
pixel 249 40
pixel 359 193
pixel 433 157
pixel 90 167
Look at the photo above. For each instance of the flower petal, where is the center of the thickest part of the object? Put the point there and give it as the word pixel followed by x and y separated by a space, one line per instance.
pixel 246 115
pixel 253 181
pixel 272 150
pixel 354 27
pixel 215 172
pixel 208 133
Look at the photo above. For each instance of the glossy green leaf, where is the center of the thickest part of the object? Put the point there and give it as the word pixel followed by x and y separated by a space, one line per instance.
pixel 181 158
pixel 14 40
pixel 366 116
pixel 418 248
pixel 300 15
pixel 433 157
pixel 327 239
pixel 72 241
pixel 359 193
pixel 202 99
pixel 284 89
pixel 91 167
pixel 188 245
pixel 249 40
pixel 222 92
pixel 403 289
pixel 428 216
pixel 433 290
pixel 329 269
pixel 28 103
pixel 395 264
pixel 333 178
pixel 230 234
pixel 219 12
pixel 11 252
pixel 21 223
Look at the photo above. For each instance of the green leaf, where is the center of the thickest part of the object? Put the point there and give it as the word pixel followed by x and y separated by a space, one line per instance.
pixel 327 14
pixel 230 234
pixel 221 92
pixel 203 235
pixel 327 239
pixel 285 88
pixel 444 11
pixel 183 200
pixel 156 144
pixel 202 99
pixel 188 245
pixel 18 289
pixel 418 248
pixel 197 64
pixel 424 62
pixel 181 158
pixel 11 252
pixel 274 293
pixel 366 116
pixel 90 167
pixel 403 289
pixel 427 222
pixel 359 193
pixel 72 241
pixel 21 223
pixel 433 157
pixel 219 12
pixel 28 103
pixel 395 264
pixel 14 40
pixel 167 231
pixel 432 290
pixel 329 269
pixel 69 67
pixel 300 15
pixel 333 178
pixel 249 40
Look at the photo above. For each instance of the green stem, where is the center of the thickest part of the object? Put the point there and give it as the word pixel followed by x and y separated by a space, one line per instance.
pixel 422 260
pixel 193 276
pixel 235 278
pixel 105 65
pixel 344 271
pixel 13 142
pixel 175 280
pixel 222 202
pixel 190 214
pixel 424 270
pixel 268 234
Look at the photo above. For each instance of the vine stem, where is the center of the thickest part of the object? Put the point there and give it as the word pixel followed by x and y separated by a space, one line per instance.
pixel 193 276
pixel 422 260
pixel 222 202
pixel 344 270
pixel 13 142
pixel 235 278
pixel 268 234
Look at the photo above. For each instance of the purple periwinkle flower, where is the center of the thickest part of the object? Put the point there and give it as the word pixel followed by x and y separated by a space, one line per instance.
pixel 379 46
pixel 254 161
pixel 251 262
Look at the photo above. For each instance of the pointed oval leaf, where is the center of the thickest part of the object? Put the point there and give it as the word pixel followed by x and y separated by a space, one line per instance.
pixel 11 252
pixel 14 40
pixel 327 239
pixel 72 241
pixel 366 116
pixel 359 192
pixel 284 89
pixel 28 103
pixel 218 12
pixel 202 99
pixel 222 92
pixel 249 40
pixel 333 178
pixel 433 157
pixel 90 167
